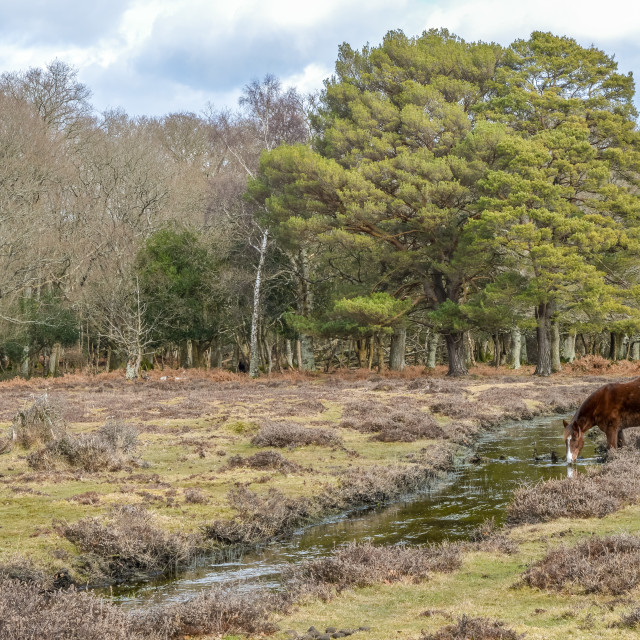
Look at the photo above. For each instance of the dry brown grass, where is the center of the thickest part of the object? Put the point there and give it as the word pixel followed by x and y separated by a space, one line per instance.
pixel 474 629
pixel 361 565
pixel 597 565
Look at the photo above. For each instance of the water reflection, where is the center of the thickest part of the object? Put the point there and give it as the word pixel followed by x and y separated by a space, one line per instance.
pixel 519 452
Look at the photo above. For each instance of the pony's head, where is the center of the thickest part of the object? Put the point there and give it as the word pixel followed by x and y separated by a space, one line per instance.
pixel 573 438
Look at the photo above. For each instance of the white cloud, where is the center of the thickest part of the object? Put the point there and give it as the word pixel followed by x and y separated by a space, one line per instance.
pixel 155 56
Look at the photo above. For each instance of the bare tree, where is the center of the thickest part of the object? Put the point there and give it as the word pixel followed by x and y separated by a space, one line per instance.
pixel 60 100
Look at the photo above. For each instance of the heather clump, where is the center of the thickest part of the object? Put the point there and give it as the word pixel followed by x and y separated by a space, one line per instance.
pixel 609 565
pixel 129 543
pixel 109 448
pixel 468 628
pixel 289 434
pixel 390 425
pixel 593 494
pixel 218 612
pixel 268 459
pixel 40 423
pixel 28 612
pixel 260 517
pixel 361 565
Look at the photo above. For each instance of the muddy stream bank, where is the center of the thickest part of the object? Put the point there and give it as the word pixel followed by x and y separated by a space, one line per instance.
pixel 513 454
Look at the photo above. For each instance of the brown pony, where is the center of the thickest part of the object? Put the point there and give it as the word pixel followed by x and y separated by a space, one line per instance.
pixel 614 407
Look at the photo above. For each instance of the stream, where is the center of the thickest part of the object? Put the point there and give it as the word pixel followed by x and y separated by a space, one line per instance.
pixel 506 457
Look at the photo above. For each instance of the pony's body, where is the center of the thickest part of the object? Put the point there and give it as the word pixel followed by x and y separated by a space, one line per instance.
pixel 614 407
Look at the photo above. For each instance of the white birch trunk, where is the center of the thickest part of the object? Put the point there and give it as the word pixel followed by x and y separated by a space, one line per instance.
pixel 254 365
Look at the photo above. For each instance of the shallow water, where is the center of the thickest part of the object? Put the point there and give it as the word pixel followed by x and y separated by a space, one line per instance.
pixel 516 453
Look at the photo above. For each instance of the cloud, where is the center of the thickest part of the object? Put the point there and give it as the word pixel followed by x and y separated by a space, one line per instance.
pixel 156 56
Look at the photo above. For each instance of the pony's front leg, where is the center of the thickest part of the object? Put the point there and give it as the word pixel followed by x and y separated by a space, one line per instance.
pixel 621 439
pixel 612 437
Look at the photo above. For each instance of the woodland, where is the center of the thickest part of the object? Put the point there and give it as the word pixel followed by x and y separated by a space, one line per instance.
pixel 438 202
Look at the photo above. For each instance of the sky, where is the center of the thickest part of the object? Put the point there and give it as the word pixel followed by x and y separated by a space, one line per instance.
pixel 154 57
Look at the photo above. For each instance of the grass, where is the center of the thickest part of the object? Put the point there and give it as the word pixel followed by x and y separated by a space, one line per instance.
pixel 488 585
pixel 195 435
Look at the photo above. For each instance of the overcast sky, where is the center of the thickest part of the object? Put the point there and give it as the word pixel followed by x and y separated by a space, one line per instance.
pixel 160 56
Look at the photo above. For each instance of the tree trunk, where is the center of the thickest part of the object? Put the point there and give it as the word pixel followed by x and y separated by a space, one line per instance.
pixel 433 351
pixel 288 353
pixel 189 354
pixel 308 357
pixel 635 348
pixel 361 346
pixel 455 351
pixel 470 358
pixel 24 366
pixel 54 359
pixel 569 347
pixel 306 360
pixel 556 365
pixel 254 366
pixel 299 354
pixel 544 311
pixel 516 347
pixel 398 347
pixel 496 350
pixel 133 365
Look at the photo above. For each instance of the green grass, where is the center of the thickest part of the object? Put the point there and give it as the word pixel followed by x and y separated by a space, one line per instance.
pixel 487 585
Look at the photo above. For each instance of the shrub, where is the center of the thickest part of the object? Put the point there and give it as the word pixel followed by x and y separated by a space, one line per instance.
pixel 377 484
pixel 120 435
pixel 361 565
pixel 263 460
pixel 287 434
pixel 195 496
pixel 259 518
pixel 389 425
pixel 129 543
pixel 42 422
pixel 219 612
pixel 597 565
pixel 474 628
pixel 593 494
pixel 91 452
pixel 27 611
